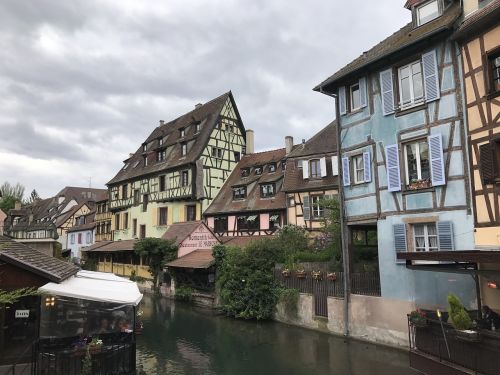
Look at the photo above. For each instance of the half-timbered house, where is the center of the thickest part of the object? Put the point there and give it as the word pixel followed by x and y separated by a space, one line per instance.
pixel 177 171
pixel 404 160
pixel 251 202
pixel 103 221
pixel 479 36
pixel 311 175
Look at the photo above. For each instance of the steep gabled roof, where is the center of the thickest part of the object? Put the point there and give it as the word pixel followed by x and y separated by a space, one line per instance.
pixel 480 20
pixel 224 202
pixel 401 39
pixel 206 115
pixel 180 231
pixel 32 260
pixel 324 141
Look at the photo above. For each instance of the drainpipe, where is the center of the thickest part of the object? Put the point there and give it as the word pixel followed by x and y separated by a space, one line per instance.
pixel 343 227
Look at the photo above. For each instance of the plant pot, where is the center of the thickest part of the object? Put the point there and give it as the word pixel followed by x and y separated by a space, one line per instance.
pixel 301 274
pixel 316 275
pixel 419 323
pixel 332 276
pixel 286 272
pixel 468 335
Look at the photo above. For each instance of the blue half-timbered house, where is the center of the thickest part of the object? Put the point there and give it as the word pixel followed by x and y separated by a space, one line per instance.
pixel 404 158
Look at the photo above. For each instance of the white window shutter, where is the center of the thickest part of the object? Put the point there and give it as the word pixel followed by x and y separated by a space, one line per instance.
pixel 393 173
pixel 400 246
pixel 322 166
pixel 305 169
pixel 437 162
pixel 346 175
pixel 367 165
pixel 387 92
pixel 362 92
pixel 306 208
pixel 431 76
pixel 342 101
pixel 445 235
pixel 335 165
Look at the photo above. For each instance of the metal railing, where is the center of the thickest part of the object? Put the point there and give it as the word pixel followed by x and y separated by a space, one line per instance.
pixel 449 347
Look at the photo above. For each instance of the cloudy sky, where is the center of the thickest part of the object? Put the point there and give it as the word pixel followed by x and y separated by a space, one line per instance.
pixel 82 83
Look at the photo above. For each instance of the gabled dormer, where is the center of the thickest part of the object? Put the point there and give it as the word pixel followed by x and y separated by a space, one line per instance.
pixel 425 11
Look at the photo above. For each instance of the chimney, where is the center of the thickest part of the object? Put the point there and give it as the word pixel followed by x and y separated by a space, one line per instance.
pixel 288 144
pixel 162 122
pixel 198 106
pixel 17 205
pixel 250 142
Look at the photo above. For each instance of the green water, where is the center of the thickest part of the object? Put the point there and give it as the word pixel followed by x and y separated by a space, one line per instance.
pixel 180 339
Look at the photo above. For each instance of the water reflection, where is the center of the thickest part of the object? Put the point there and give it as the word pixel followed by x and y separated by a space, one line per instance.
pixel 179 339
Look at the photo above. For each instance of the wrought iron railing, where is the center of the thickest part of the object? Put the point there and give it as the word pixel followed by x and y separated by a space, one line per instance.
pixel 447 346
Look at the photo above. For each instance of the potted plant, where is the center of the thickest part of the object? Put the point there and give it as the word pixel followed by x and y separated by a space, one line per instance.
pixel 316 275
pixel 95 345
pixel 301 273
pixel 418 318
pixel 419 184
pixel 285 272
pixel 332 276
pixel 461 321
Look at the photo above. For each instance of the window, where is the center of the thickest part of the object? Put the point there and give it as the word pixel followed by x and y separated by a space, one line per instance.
pixel 354 97
pixel 160 141
pixel 251 222
pixel 489 161
pixel 358 169
pixel 144 147
pixel 72 238
pixel 79 238
pixel 197 128
pixel 425 237
pixel 117 222
pixel 494 67
pixel 267 190
pixel 183 149
pixel 245 172
pixel 190 213
pixel 272 167
pixel 220 224
pixel 145 201
pixel 142 230
pixel 237 156
pixel 258 171
pixel 161 155
pixel 274 221
pixel 145 161
pixel 162 216
pixel 182 132
pixel 134 227
pixel 125 220
pixel 137 196
pixel 89 238
pixel 240 192
pixel 108 227
pixel 314 168
pixel 427 12
pixel 217 152
pixel 317 208
pixel 244 150
pixel 184 178
pixel 411 89
pixel 124 191
pixel 417 161
pixel 161 183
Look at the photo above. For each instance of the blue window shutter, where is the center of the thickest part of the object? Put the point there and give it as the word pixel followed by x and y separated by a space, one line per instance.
pixel 387 92
pixel 342 101
pixel 367 165
pixel 306 208
pixel 431 76
pixel 400 246
pixel 346 175
pixel 362 92
pixel 436 160
pixel 445 235
pixel 393 173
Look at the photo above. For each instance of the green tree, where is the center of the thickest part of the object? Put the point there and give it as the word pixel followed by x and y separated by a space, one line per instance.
pixel 7 203
pixel 158 253
pixel 9 195
pixel 290 240
pixel 33 198
pixel 10 297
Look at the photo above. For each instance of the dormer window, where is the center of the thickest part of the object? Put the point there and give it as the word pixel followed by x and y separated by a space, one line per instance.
pixel 267 190
pixel 245 172
pixel 182 132
pixel 354 97
pixel 258 171
pixel 160 141
pixel 145 161
pixel 197 127
pixel 161 155
pixel 144 147
pixel 240 192
pixel 184 149
pixel 272 167
pixel 427 12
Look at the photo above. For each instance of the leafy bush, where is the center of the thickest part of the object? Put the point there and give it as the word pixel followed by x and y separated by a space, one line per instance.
pixel 290 299
pixel 460 319
pixel 184 293
pixel 289 240
pixel 89 264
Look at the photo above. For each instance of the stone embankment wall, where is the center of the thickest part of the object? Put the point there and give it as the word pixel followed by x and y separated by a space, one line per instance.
pixel 374 319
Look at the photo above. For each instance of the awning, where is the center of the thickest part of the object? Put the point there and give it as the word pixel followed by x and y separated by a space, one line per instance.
pixel 252 218
pixel 96 286
pixel 200 259
pixel 274 217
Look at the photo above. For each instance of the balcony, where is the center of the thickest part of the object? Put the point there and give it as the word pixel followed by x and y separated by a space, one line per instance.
pixel 436 350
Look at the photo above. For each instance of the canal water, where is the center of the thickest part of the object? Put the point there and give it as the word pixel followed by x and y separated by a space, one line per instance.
pixel 180 339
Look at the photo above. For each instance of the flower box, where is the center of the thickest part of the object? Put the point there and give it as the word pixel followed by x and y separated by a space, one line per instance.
pixel 468 335
pixel 419 184
pixel 301 274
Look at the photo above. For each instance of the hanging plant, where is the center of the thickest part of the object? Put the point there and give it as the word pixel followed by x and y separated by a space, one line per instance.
pixel 316 275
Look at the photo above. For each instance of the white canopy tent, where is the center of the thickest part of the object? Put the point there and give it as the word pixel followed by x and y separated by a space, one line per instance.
pixel 96 286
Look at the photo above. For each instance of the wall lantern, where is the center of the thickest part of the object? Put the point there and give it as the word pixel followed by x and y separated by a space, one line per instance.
pixel 50 301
